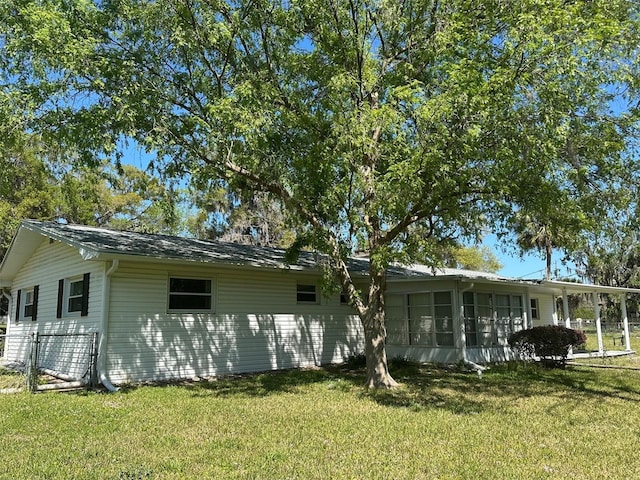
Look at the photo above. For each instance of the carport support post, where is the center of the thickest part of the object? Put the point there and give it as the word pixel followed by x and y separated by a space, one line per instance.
pixel 565 308
pixel 625 321
pixel 565 311
pixel 596 312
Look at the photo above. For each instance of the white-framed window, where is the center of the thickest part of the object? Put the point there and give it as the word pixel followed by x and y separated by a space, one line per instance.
pixel 73 296
pixel 306 293
pixel 470 319
pixel 535 310
pixel 27 304
pixel 443 313
pixel 73 299
pixel 395 319
pixel 188 294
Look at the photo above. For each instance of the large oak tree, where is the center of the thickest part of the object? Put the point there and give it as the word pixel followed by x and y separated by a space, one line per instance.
pixel 384 126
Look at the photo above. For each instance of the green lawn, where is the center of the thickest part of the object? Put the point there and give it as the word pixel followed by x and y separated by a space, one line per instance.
pixel 609 345
pixel 10 379
pixel 516 422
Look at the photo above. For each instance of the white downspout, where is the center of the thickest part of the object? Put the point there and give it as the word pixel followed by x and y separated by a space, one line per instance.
pixel 528 320
pixel 104 323
pixel 554 316
pixel 565 308
pixel 7 295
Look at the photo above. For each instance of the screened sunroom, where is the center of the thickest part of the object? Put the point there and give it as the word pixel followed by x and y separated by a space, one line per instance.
pixel 452 316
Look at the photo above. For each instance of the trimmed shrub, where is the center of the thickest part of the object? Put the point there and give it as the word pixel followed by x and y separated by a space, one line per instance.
pixel 549 342
pixel 355 361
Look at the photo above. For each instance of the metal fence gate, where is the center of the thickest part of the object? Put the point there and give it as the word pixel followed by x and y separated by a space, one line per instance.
pixel 50 361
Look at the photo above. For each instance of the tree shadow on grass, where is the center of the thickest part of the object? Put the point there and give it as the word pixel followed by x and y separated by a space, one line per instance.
pixel 462 392
pixel 259 384
pixel 431 387
pixel 593 383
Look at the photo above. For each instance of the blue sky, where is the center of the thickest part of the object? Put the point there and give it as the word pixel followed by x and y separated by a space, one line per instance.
pixel 530 266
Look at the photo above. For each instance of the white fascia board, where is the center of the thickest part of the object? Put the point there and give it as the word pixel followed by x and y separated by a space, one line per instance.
pixel 134 257
pixel 571 287
pixel 464 279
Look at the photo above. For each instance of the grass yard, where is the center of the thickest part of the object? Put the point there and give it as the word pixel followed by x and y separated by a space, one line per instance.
pixel 516 422
pixel 10 379
pixel 609 344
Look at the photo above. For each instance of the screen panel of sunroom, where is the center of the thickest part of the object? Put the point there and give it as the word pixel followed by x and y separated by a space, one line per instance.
pixel 396 320
pixel 420 318
pixel 470 324
pixel 486 333
pixel 443 310
pixel 503 319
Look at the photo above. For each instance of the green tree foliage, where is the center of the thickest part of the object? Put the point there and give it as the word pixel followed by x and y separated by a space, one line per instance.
pixel 614 259
pixel 35 184
pixel 27 190
pixel 481 259
pixel 247 217
pixel 125 198
pixel 378 125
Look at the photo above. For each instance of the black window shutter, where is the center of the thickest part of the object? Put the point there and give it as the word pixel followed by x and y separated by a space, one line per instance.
pixel 84 311
pixel 60 298
pixel 36 289
pixel 18 306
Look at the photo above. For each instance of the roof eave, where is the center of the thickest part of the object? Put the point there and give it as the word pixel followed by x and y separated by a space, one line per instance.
pixel 193 262
pixel 571 287
pixel 85 252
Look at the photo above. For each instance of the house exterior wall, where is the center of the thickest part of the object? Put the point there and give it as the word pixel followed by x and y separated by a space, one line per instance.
pixel 51 262
pixel 546 310
pixel 257 324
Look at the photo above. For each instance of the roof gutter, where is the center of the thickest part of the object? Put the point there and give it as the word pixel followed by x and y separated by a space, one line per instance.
pixel 104 324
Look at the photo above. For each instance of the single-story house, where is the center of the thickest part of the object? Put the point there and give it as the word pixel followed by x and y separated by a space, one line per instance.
pixel 168 307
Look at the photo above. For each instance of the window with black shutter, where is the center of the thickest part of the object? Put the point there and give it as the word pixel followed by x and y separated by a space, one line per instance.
pixel 73 296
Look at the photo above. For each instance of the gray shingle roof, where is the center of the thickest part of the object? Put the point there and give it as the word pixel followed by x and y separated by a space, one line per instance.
pixel 94 241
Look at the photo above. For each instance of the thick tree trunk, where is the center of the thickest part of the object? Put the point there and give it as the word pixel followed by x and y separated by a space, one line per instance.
pixel 548 251
pixel 378 375
pixel 371 315
pixel 375 336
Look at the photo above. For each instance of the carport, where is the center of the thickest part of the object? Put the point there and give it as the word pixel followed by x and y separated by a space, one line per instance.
pixel 563 289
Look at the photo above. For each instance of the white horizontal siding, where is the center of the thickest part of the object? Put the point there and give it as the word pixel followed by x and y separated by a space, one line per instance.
pixel 545 310
pixel 51 262
pixel 257 325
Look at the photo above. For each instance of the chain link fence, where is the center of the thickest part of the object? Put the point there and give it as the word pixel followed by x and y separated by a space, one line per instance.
pixel 48 361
